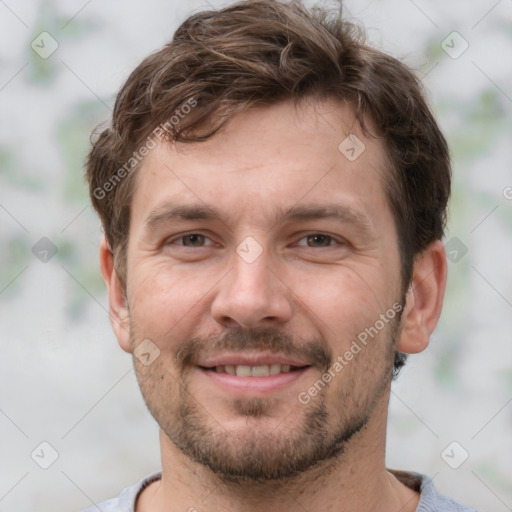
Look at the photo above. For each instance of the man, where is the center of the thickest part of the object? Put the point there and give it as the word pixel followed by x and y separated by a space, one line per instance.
pixel 273 194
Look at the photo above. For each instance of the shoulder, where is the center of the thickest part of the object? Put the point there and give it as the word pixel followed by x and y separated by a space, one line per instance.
pixel 125 502
pixel 430 499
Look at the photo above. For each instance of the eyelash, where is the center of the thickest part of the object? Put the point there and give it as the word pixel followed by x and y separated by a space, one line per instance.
pixel 181 237
pixel 332 240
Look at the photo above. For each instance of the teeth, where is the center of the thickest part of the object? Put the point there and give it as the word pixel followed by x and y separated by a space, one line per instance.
pixel 260 371
pixel 275 369
pixel 243 371
pixel 263 370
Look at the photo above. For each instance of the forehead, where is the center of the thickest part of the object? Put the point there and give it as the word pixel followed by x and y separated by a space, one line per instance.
pixel 269 158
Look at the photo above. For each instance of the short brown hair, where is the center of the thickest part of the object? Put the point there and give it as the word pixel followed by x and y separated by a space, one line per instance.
pixel 257 53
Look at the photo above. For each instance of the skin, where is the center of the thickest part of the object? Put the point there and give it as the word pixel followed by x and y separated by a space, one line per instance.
pixel 198 297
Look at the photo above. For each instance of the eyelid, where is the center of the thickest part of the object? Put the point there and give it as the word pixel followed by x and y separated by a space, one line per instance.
pixel 172 240
pixel 337 239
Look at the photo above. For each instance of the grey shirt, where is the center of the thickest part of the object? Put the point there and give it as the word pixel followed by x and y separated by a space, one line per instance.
pixel 430 499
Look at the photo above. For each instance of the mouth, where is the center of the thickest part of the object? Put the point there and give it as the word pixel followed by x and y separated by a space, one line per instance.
pixel 262 370
pixel 255 376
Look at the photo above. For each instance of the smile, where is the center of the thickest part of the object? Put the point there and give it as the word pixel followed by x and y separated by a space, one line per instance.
pixel 264 370
pixel 256 380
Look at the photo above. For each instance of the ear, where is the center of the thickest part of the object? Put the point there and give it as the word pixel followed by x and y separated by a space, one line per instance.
pixel 424 300
pixel 119 315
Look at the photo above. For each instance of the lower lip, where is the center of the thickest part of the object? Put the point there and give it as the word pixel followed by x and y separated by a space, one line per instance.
pixel 260 386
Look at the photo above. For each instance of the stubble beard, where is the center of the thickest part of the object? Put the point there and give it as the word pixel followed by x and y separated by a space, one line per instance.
pixel 314 435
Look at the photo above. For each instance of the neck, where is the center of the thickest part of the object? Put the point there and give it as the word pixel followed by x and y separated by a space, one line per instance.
pixel 355 481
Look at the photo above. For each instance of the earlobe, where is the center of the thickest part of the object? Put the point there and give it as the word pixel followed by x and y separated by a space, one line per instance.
pixel 424 299
pixel 118 309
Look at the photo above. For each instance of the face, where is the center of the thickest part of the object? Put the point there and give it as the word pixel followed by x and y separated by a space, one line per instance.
pixel 263 267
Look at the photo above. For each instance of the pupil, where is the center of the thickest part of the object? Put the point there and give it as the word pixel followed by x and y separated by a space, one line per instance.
pixel 195 239
pixel 321 240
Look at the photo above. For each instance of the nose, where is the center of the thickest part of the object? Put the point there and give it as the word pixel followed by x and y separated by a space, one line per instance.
pixel 252 295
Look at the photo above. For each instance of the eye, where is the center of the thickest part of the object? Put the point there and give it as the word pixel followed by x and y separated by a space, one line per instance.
pixel 192 240
pixel 317 240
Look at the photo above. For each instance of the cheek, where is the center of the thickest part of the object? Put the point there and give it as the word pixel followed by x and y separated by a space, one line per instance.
pixel 342 302
pixel 166 300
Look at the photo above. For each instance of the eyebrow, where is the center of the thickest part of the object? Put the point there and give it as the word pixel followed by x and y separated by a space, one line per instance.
pixel 170 212
pixel 338 212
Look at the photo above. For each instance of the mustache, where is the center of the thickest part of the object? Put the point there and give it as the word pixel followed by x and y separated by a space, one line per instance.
pixel 315 351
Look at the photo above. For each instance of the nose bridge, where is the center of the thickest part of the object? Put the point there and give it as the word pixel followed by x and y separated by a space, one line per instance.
pixel 250 268
pixel 250 295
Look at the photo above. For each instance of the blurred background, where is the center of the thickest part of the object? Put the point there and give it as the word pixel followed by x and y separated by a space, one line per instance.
pixel 73 426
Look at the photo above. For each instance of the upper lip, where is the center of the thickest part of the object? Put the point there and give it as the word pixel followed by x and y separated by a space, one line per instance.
pixel 255 359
